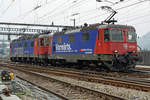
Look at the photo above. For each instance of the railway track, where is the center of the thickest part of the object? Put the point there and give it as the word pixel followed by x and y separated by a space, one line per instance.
pixel 126 82
pixel 66 91
pixel 135 73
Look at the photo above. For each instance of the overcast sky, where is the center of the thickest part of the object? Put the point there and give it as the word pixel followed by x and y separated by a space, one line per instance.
pixel 61 11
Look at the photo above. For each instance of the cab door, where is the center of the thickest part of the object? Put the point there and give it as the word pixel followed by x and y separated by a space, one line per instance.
pixel 36 47
pixel 131 40
pixel 50 46
pixel 99 42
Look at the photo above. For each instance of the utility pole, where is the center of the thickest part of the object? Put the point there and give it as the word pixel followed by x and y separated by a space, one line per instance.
pixel 74 20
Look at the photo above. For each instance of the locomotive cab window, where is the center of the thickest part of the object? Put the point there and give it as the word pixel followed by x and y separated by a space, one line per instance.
pixel 41 42
pixel 14 45
pixel 71 38
pixel 85 36
pixel 20 45
pixel 106 35
pixel 116 35
pixel 131 36
pixel 25 44
pixel 46 41
pixel 32 44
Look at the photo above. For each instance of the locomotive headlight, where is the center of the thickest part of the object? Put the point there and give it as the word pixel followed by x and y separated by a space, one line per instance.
pixel 115 51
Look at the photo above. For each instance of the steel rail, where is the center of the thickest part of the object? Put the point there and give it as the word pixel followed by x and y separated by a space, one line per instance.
pixel 127 83
pixel 104 96
pixel 60 96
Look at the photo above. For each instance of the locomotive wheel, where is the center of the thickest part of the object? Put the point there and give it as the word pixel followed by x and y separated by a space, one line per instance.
pixel 115 66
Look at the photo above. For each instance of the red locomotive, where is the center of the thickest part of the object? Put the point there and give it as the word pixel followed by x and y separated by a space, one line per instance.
pixel 108 46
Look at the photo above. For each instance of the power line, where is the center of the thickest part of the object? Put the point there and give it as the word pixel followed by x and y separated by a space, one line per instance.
pixel 139 17
pixel 129 5
pixel 136 14
pixel 93 10
pixel 60 14
pixel 71 6
pixel 8 7
pixel 116 9
pixel 34 9
pixel 55 14
pixel 53 10
pixel 86 12
pixel 89 11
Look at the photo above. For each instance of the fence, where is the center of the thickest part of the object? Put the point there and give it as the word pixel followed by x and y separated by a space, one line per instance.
pixel 145 57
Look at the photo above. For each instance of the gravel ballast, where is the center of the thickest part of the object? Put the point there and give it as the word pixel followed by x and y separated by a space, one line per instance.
pixel 128 94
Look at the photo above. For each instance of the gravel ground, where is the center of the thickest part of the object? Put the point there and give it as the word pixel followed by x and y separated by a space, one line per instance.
pixel 116 91
pixel 56 87
pixel 27 91
pixel 35 93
